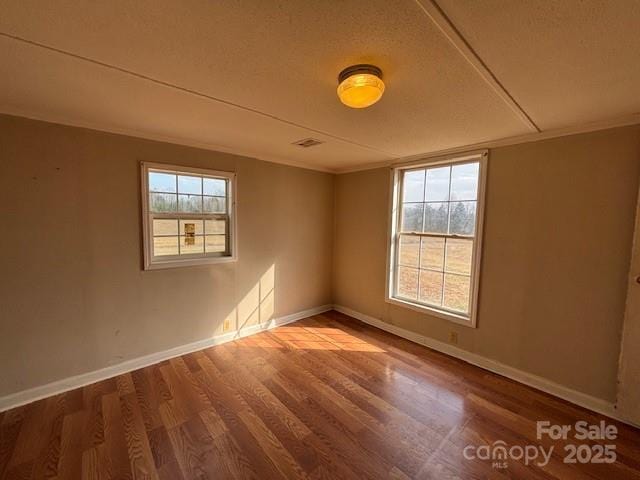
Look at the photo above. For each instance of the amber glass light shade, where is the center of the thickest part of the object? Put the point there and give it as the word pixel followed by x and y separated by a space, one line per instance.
pixel 360 86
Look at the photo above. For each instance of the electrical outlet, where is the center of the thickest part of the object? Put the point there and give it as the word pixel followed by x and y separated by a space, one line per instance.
pixel 226 326
pixel 453 337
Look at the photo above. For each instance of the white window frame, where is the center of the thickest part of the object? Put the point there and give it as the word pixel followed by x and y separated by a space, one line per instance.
pixel 154 263
pixel 393 239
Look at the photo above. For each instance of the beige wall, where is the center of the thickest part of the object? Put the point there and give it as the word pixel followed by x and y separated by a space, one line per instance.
pixel 73 296
pixel 558 229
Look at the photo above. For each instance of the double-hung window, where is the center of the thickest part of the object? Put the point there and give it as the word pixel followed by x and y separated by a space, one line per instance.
pixel 188 216
pixel 435 241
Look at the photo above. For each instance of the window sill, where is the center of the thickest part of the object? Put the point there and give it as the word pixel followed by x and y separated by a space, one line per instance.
pixel 160 265
pixel 434 312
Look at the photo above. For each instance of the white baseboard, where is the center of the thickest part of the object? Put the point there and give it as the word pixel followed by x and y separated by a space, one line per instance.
pixel 36 393
pixel 578 398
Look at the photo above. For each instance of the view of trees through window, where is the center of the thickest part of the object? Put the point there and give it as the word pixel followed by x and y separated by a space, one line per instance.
pixel 189 214
pixel 435 241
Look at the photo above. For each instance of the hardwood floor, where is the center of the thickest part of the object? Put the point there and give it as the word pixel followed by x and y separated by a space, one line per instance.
pixel 323 398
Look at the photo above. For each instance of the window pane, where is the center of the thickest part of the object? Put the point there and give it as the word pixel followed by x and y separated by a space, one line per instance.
pixel 215 205
pixel 408 282
pixel 413 186
pixel 165 227
pixel 432 253
pixel 408 254
pixel 437 184
pixel 456 292
pixel 215 226
pixel 163 246
pixel 188 184
pixel 215 187
pixel 162 182
pixel 162 202
pixel 412 217
pixel 463 218
pixel 215 243
pixel 464 181
pixel 190 203
pixel 191 244
pixel 459 254
pixel 431 287
pixel 435 217
pixel 191 227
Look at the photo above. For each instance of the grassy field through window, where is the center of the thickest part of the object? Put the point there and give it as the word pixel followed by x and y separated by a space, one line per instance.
pixel 436 271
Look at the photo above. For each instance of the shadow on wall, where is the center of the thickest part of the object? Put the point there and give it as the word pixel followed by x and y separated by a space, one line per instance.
pixel 257 307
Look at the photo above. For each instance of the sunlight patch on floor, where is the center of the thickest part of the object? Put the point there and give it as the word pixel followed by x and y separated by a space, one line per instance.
pixel 311 338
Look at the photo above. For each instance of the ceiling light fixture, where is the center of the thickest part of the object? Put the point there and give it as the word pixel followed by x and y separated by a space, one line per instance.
pixel 360 86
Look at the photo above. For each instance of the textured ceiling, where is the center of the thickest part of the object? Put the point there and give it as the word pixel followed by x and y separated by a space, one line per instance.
pixel 565 62
pixel 252 77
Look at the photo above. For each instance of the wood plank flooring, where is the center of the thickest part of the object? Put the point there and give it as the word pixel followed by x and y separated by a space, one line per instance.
pixel 323 398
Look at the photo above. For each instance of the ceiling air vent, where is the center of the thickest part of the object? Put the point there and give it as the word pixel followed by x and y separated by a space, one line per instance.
pixel 307 142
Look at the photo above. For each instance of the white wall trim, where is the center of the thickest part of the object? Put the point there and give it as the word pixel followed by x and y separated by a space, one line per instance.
pixel 595 404
pixel 578 398
pixel 617 122
pixel 36 393
pixel 395 196
pixel 155 137
pixel 607 124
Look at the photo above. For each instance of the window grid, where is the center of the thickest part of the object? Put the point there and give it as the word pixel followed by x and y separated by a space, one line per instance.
pixel 444 271
pixel 179 215
pixel 180 235
pixel 447 272
pixel 201 233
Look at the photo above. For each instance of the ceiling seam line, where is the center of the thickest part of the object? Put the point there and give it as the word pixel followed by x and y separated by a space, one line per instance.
pixel 619 122
pixel 193 92
pixel 135 133
pixel 481 67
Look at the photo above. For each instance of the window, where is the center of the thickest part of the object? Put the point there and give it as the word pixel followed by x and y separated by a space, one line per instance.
pixel 435 237
pixel 188 216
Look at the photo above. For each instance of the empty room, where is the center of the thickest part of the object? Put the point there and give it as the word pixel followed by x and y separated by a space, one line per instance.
pixel 320 239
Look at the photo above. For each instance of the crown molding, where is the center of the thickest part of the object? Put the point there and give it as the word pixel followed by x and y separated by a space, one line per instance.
pixel 624 121
pixel 195 93
pixel 130 132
